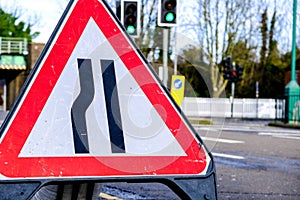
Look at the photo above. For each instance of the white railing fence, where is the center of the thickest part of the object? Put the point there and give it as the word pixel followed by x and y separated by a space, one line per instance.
pixel 11 45
pixel 242 108
pixel 221 107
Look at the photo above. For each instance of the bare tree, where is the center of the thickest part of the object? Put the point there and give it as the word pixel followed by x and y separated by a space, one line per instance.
pixel 220 25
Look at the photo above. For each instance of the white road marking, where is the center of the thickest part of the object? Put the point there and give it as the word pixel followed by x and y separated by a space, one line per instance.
pixel 295 136
pixel 207 128
pixel 228 156
pixel 287 137
pixel 222 140
pixel 244 128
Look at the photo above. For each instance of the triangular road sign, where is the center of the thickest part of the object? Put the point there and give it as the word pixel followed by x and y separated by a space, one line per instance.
pixel 93 107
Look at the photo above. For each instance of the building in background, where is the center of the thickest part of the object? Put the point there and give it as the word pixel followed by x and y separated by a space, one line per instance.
pixel 17 58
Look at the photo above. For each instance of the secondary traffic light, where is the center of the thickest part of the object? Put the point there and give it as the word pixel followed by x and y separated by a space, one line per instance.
pixel 231 71
pixel 167 11
pixel 240 70
pixel 130 16
pixel 227 68
pixel 234 73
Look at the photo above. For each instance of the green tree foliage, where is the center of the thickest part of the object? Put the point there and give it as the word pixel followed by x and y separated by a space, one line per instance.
pixel 196 71
pixel 264 35
pixel 269 71
pixel 242 30
pixel 11 26
pixel 286 59
pixel 245 56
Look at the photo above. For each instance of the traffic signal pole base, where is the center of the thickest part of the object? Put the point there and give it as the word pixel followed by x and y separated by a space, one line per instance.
pixel 292 94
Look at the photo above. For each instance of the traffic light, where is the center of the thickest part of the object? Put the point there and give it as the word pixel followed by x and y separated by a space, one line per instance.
pixel 167 11
pixel 234 73
pixel 237 73
pixel 240 70
pixel 227 68
pixel 231 71
pixel 130 16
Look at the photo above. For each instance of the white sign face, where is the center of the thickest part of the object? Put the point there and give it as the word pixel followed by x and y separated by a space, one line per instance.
pixel 145 132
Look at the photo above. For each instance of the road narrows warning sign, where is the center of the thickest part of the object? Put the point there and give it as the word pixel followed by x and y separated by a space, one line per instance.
pixel 93 107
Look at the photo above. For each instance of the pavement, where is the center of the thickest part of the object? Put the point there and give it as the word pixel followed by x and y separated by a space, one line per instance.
pixel 247 122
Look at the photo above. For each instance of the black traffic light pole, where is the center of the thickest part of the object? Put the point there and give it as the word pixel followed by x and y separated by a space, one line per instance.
pixel 232 96
pixel 229 73
pixel 167 18
pixel 165 55
pixel 236 76
pixel 233 73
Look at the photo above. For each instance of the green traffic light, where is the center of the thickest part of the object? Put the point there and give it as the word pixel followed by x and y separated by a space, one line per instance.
pixel 170 17
pixel 130 29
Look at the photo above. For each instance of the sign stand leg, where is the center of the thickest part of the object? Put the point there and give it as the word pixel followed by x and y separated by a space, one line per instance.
pixel 186 187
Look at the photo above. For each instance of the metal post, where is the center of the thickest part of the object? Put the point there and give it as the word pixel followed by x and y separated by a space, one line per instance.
pixel 175 52
pixel 293 64
pixel 232 94
pixel 25 50
pixel 165 55
pixel 257 95
pixel 8 46
pixel 292 90
pixel 161 73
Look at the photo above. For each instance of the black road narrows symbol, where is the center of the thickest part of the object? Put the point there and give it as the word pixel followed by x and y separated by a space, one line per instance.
pixel 85 98
pixel 81 104
pixel 112 106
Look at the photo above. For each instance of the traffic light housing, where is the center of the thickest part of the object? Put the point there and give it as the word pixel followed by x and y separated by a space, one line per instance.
pixel 231 71
pixel 130 16
pixel 240 71
pixel 227 68
pixel 234 73
pixel 167 13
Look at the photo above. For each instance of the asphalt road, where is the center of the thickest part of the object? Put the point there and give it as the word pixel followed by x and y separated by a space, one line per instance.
pixel 255 161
